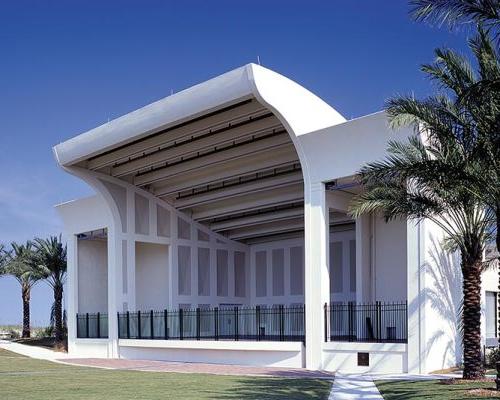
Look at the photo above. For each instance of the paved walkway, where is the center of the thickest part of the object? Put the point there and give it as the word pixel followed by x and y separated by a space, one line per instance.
pixel 189 368
pixel 32 351
pixel 354 387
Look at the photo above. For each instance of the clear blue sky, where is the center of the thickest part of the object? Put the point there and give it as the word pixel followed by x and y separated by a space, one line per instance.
pixel 66 67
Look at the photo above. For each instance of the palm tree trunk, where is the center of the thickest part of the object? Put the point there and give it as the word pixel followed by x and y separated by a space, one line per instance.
pixel 25 292
pixel 473 364
pixel 58 295
pixel 497 215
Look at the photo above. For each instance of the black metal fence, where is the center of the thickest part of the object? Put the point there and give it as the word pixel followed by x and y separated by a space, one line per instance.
pixel 92 326
pixel 376 322
pixel 220 323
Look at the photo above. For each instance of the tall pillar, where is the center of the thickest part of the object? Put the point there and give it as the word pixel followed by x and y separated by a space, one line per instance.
pixel 363 260
pixel 114 289
pixel 72 287
pixel 317 281
pixel 415 296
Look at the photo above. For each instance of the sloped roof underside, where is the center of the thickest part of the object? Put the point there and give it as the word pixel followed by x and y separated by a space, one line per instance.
pixel 215 151
pixel 235 170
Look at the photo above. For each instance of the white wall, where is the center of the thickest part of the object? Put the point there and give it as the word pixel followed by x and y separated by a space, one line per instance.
pixel 151 276
pixel 384 358
pixel 442 294
pixel 92 276
pixel 274 354
pixel 389 253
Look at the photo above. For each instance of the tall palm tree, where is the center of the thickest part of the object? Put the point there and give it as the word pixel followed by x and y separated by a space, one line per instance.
pixel 21 264
pixel 3 258
pixel 51 254
pixel 453 12
pixel 430 176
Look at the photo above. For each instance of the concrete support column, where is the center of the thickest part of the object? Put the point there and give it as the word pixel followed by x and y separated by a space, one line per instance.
pixel 72 286
pixel 363 260
pixel 114 289
pixel 317 280
pixel 416 300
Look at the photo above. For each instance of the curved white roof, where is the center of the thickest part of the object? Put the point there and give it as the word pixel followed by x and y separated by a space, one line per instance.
pixel 299 110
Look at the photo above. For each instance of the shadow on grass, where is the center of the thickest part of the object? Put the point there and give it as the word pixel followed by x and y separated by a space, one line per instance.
pixel 427 390
pixel 257 388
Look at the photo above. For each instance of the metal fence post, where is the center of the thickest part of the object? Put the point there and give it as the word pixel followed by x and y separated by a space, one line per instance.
pixel 151 324
pixel 378 307
pixel 349 319
pixel 87 325
pixel 128 324
pixel 98 325
pixel 181 324
pixel 236 323
pixel 282 322
pixel 198 317
pixel 165 322
pixel 216 322
pixel 139 333
pixel 257 322
pixel 325 308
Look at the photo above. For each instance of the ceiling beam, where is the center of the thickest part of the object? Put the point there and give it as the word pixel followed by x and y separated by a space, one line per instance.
pixel 281 140
pixel 200 126
pixel 268 199
pixel 266 229
pixel 254 186
pixel 267 125
pixel 252 220
pixel 263 162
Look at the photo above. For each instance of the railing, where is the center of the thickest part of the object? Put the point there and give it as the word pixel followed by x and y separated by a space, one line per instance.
pixel 235 323
pixel 377 322
pixel 92 326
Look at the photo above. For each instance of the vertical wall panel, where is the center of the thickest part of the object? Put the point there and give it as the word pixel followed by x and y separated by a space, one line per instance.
pixel 124 267
pixel 203 271
pixel 336 270
pixel 222 273
pixel 296 271
pixel 162 221
pixel 260 274
pixel 278 265
pixel 239 274
pixel 141 215
pixel 184 270
pixel 183 229
pixel 352 265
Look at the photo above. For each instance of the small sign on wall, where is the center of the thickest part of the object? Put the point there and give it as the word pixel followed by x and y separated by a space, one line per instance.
pixel 363 359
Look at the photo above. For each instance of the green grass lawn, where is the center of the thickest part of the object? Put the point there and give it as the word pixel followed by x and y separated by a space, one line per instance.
pixel 427 390
pixel 30 379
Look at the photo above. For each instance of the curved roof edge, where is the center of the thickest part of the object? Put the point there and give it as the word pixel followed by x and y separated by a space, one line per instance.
pixel 301 111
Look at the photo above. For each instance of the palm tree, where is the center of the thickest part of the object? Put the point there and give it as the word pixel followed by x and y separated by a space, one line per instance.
pixel 430 177
pixel 3 258
pixel 453 12
pixel 21 264
pixel 51 254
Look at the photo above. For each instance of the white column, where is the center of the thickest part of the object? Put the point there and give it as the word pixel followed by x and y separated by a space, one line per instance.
pixel 114 289
pixel 72 287
pixel 363 259
pixel 317 281
pixel 416 301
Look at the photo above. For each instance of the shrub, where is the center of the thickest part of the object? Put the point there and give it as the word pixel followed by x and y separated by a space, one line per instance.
pixel 492 357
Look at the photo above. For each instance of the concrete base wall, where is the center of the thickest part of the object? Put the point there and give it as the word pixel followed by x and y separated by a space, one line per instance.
pixel 384 358
pixel 281 354
pixel 89 348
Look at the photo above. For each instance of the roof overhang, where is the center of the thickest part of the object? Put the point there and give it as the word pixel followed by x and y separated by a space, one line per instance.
pixel 225 152
pixel 300 110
